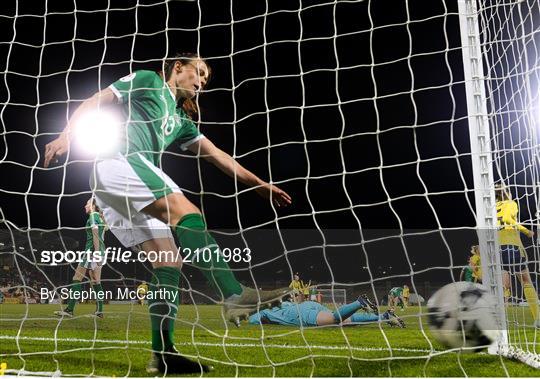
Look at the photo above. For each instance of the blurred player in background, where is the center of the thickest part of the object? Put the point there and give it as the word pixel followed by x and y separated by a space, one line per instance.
pixel 305 290
pixel 476 263
pixel 95 234
pixel 395 298
pixel 513 256
pixel 313 293
pixel 467 273
pixel 296 287
pixel 406 293
pixel 142 290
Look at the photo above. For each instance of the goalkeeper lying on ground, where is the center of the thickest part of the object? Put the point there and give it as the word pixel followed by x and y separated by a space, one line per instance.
pixel 311 313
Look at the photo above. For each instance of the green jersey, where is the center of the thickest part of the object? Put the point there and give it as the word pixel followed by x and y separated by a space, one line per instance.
pixel 95 220
pixel 396 291
pixel 468 274
pixel 154 120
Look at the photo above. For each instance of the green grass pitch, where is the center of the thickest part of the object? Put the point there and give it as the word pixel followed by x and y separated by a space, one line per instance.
pixel 34 340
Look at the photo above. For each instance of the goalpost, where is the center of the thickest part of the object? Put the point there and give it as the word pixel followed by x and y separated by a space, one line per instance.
pixel 496 39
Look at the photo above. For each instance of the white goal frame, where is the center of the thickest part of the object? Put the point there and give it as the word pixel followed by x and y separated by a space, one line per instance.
pixel 482 159
pixel 334 294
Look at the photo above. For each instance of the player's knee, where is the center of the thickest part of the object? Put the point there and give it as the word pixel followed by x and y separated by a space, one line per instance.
pixel 170 216
pixel 172 208
pixel 177 264
pixel 184 210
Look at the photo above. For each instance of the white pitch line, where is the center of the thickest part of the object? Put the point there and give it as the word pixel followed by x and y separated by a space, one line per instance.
pixel 50 339
pixel 271 346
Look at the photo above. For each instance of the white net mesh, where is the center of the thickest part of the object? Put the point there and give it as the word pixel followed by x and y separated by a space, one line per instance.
pixel 509 32
pixel 355 108
pixel 331 296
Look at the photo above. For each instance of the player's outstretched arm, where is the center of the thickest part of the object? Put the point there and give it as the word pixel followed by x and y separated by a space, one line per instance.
pixel 231 167
pixel 58 147
pixel 524 230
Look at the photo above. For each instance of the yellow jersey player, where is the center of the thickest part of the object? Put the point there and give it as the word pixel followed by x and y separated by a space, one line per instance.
pixel 142 290
pixel 405 295
pixel 513 257
pixel 296 286
pixel 305 289
pixel 475 263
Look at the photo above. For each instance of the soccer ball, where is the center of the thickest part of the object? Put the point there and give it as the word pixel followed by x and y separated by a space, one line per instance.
pixel 463 315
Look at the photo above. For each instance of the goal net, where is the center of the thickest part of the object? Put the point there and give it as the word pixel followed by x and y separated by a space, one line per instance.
pixel 359 109
pixel 330 296
pixel 506 34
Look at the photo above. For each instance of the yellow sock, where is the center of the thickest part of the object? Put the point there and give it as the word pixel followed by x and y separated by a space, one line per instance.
pixel 506 294
pixel 532 299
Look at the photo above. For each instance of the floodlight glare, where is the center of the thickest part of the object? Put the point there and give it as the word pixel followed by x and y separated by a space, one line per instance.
pixel 98 132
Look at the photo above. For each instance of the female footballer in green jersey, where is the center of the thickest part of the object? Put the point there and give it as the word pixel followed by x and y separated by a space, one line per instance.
pixel 395 298
pixel 143 205
pixel 95 233
pixel 467 273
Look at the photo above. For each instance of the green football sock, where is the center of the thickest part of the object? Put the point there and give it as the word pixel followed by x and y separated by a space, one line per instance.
pixel 75 294
pixel 98 289
pixel 192 234
pixel 163 306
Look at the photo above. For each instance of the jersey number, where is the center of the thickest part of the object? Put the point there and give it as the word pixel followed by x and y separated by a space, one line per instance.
pixel 168 126
pixel 128 78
